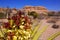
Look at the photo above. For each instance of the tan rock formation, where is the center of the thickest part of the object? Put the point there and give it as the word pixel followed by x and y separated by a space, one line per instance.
pixel 38 9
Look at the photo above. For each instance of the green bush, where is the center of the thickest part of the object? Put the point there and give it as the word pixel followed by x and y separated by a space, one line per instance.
pixel 2 15
pixel 33 13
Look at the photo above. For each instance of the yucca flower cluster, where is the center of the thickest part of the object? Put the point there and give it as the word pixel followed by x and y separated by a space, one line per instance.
pixel 18 27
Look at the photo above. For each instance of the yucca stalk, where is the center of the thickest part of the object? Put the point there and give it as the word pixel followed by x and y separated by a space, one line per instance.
pixel 36 28
pixel 54 36
pixel 39 33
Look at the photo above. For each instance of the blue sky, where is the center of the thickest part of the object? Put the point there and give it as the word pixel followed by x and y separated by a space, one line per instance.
pixel 49 4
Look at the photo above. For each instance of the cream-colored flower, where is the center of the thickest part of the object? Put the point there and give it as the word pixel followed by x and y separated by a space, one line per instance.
pixel 9 30
pixel 21 26
pixel 22 22
pixel 20 31
pixel 14 26
pixel 22 15
pixel 23 19
pixel 19 37
pixel 14 38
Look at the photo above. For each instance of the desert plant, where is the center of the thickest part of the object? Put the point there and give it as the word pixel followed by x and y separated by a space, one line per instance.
pixel 33 13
